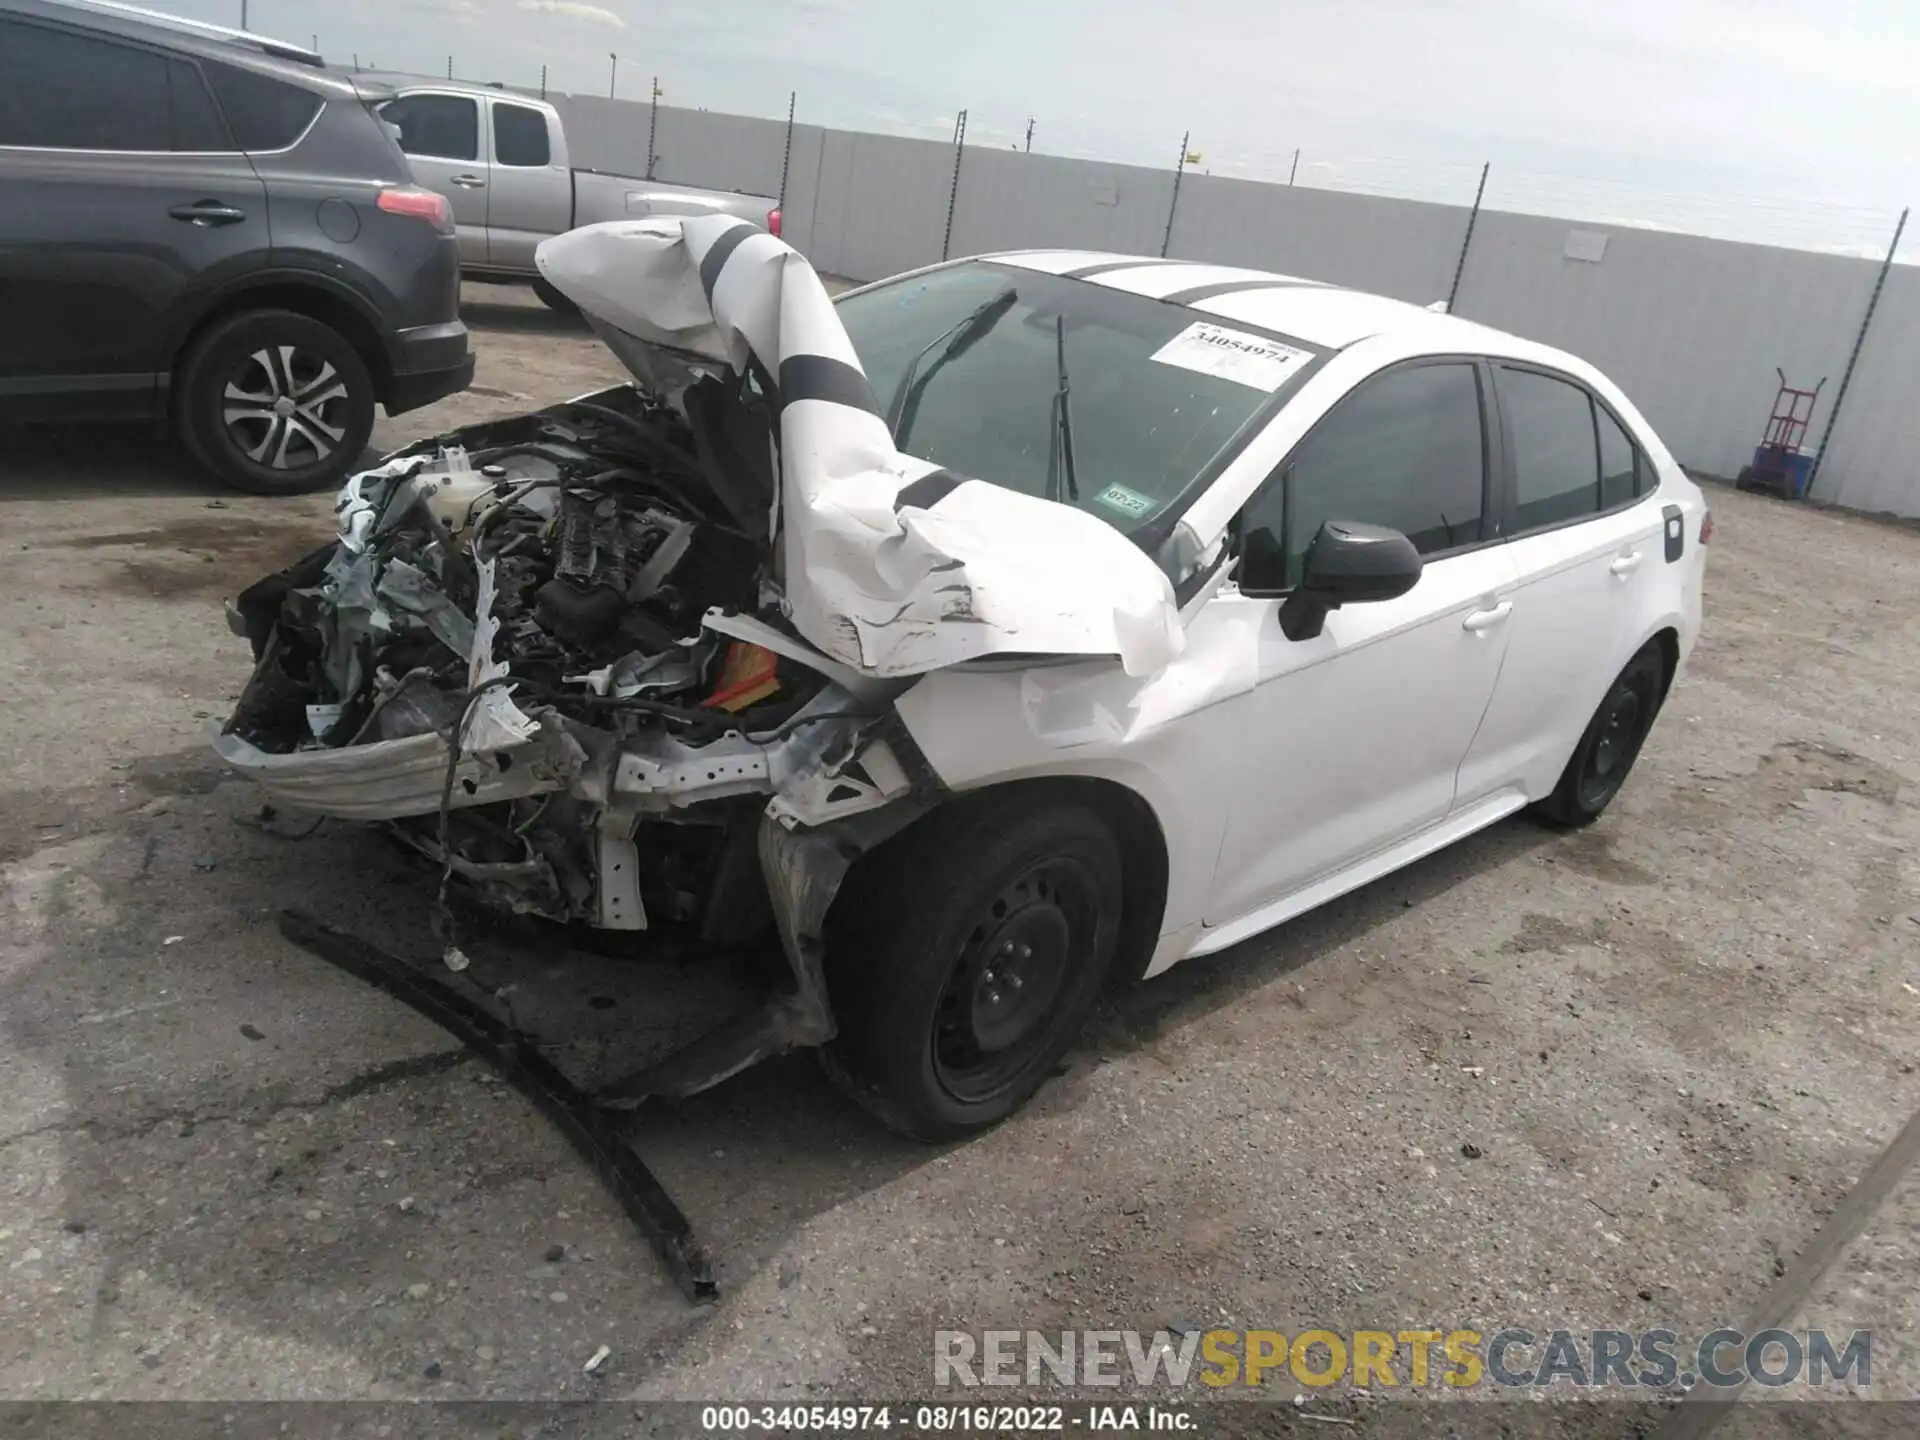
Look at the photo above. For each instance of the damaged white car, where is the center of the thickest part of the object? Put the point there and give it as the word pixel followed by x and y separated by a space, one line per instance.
pixel 997 632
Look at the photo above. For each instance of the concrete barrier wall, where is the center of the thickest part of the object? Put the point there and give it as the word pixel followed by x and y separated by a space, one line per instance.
pixel 1691 328
pixel 1404 248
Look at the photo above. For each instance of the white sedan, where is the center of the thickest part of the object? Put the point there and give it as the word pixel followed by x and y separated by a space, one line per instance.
pixel 995 633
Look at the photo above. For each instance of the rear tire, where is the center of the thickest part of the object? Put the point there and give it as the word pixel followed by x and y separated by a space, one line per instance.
pixel 553 299
pixel 964 958
pixel 1611 743
pixel 275 403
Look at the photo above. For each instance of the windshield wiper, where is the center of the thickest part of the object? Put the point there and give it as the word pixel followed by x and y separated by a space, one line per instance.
pixel 1060 449
pixel 950 342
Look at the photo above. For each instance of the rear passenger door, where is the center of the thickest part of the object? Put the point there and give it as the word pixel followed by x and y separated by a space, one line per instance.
pixel 1588 554
pixel 121 194
pixel 532 195
pixel 440 133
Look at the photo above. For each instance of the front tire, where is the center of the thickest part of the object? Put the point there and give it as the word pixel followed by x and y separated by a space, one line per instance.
pixel 275 403
pixel 965 957
pixel 553 299
pixel 1611 742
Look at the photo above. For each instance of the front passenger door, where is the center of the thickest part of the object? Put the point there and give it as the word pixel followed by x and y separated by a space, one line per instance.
pixel 440 134
pixel 1350 741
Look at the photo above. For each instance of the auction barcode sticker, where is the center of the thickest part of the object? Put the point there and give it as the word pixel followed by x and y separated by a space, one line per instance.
pixel 1251 360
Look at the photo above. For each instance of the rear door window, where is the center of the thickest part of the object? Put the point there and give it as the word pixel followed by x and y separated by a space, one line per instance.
pixel 1556 461
pixel 437 127
pixel 266 114
pixel 195 124
pixel 520 136
pixel 1620 464
pixel 64 91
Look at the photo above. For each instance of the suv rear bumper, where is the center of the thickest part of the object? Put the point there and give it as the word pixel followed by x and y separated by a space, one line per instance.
pixel 429 363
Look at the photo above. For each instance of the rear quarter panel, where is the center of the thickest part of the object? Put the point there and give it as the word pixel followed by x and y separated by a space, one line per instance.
pixel 322 203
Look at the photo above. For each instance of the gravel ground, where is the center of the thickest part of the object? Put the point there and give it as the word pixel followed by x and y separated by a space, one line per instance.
pixel 1671 1043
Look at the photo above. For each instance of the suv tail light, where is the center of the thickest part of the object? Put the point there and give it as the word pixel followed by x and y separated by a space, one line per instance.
pixel 773 222
pixel 421 204
pixel 1706 528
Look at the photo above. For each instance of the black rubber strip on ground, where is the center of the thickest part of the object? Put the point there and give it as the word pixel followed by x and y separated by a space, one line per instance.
pixel 566 1105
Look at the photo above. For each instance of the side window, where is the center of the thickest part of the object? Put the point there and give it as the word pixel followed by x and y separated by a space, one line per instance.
pixel 1620 463
pixel 1406 449
pixel 520 136
pixel 196 123
pixel 63 91
pixel 1555 456
pixel 439 127
pixel 266 114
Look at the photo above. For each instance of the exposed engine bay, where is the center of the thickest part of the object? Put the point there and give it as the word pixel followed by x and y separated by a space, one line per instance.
pixel 587 597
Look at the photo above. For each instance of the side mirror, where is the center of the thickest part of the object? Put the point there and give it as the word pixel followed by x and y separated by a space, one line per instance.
pixel 1348 563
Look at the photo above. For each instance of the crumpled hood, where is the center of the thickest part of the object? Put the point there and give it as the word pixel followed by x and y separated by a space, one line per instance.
pixel 892 565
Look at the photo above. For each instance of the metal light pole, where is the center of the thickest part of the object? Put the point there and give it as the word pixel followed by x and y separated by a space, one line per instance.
pixel 243 14
pixel 613 72
pixel 1029 135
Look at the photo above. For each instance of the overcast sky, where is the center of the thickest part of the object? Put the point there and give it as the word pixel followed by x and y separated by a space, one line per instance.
pixel 1614 107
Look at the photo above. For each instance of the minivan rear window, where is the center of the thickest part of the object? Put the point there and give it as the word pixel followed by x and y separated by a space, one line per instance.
pixel 266 114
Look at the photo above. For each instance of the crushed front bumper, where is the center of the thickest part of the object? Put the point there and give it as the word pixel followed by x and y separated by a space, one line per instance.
pixel 394 779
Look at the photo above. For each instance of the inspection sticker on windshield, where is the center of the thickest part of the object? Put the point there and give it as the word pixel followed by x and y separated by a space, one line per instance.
pixel 1127 502
pixel 1251 360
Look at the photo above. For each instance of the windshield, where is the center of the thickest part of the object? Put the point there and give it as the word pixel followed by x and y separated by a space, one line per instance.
pixel 1159 393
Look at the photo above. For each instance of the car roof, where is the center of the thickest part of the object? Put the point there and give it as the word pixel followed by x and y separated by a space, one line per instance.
pixel 1321 315
pixel 279 58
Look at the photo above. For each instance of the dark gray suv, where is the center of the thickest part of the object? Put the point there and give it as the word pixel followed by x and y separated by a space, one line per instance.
pixel 213 228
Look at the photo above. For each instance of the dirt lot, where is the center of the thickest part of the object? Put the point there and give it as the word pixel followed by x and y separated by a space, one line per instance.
pixel 1672 1042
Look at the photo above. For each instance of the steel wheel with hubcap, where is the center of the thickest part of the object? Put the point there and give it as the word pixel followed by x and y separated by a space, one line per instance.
pixel 964 957
pixel 1606 752
pixel 276 403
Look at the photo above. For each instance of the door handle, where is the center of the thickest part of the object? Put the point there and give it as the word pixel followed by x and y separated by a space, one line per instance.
pixel 468 182
pixel 207 213
pixel 1481 620
pixel 1624 565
